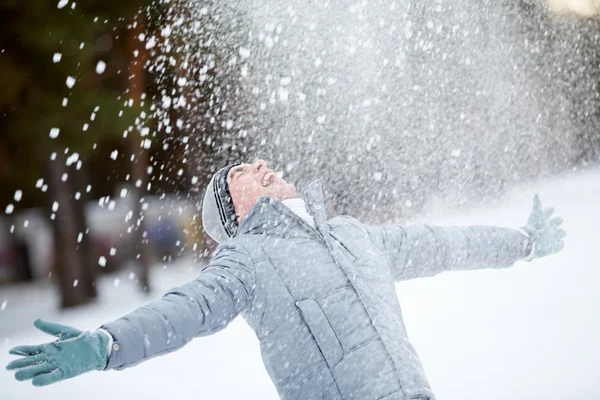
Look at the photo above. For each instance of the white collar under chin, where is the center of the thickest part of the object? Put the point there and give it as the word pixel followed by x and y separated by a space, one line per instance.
pixel 298 206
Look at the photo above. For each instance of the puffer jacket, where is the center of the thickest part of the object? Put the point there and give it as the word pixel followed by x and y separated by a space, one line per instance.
pixel 321 300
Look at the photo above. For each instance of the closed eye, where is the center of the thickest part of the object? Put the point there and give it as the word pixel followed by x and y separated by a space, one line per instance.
pixel 237 171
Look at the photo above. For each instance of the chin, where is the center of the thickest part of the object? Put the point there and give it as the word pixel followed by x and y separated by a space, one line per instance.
pixel 290 190
pixel 285 192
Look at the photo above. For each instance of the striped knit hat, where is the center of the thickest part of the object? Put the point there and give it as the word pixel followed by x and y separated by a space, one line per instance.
pixel 218 213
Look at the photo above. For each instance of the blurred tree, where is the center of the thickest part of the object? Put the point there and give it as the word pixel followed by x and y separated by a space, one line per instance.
pixel 139 153
pixel 200 105
pixel 62 70
pixel 569 42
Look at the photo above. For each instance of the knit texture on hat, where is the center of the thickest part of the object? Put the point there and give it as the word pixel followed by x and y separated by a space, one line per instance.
pixel 218 213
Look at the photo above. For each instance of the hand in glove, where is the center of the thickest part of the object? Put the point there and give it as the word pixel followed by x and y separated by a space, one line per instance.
pixel 543 231
pixel 73 353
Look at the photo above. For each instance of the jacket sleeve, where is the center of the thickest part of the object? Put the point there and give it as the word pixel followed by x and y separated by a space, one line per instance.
pixel 424 250
pixel 199 308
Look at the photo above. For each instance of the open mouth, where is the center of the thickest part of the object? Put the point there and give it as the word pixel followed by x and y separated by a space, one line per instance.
pixel 268 179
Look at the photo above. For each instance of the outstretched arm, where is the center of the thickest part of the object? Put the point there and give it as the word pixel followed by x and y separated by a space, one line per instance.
pixel 425 250
pixel 201 307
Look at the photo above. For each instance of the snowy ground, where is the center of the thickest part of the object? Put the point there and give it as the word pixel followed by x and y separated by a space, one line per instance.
pixel 528 332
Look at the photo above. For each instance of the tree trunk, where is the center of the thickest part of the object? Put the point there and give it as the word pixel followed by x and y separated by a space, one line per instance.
pixel 20 255
pixel 136 86
pixel 89 264
pixel 67 263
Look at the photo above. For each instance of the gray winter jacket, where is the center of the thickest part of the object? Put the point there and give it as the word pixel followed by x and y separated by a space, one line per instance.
pixel 321 301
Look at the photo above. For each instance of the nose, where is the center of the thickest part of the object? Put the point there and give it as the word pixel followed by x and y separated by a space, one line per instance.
pixel 259 164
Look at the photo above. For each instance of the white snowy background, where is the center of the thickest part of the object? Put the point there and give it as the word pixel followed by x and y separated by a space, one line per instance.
pixel 528 332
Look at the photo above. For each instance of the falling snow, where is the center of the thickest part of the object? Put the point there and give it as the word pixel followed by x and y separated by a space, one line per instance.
pixel 151 42
pixel 54 132
pixel 70 82
pixel 399 108
pixel 72 159
pixel 244 52
pixel 100 67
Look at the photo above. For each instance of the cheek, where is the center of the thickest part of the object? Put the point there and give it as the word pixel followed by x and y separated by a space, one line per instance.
pixel 237 195
pixel 247 193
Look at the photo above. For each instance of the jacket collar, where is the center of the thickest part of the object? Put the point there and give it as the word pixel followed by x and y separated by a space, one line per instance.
pixel 272 216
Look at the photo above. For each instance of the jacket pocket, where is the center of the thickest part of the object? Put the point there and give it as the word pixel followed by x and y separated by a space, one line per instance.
pixel 321 330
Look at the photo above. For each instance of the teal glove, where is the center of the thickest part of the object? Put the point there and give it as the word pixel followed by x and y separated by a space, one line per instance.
pixel 74 353
pixel 543 231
